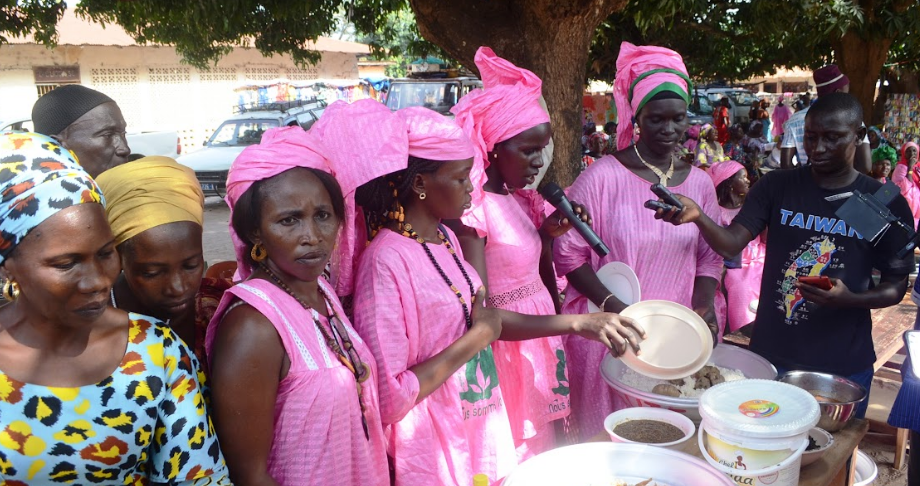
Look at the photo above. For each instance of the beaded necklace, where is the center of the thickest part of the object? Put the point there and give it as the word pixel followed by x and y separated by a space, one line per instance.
pixel 411 233
pixel 349 357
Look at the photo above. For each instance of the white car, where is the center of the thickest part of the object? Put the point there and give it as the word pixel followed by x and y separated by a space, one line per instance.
pixel 165 143
pixel 212 163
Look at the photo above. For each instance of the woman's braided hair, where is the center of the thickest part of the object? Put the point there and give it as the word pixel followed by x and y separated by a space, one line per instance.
pixel 383 198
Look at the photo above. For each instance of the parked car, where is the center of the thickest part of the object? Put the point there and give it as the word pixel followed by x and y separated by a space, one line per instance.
pixel 212 163
pixel 438 94
pixel 165 143
pixel 700 110
pixel 739 100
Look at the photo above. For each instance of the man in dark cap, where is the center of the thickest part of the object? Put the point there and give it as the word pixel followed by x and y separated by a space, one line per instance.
pixel 828 79
pixel 87 122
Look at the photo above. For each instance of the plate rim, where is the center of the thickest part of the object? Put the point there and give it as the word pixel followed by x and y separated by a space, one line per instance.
pixel 645 368
pixel 630 276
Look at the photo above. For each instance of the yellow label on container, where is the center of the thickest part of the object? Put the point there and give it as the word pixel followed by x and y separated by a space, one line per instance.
pixel 758 409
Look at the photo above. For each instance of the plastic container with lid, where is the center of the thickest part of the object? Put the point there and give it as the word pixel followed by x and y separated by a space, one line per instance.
pixel 756 430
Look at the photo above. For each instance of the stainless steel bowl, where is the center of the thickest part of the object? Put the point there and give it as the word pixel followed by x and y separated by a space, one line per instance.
pixel 844 395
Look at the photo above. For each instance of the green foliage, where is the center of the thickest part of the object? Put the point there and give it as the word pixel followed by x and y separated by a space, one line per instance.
pixel 732 40
pixel 36 17
pixel 204 30
pixel 397 39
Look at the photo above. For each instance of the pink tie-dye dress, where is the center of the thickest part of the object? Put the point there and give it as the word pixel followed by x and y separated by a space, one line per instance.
pixel 407 314
pixel 532 373
pixel 318 436
pixel 666 258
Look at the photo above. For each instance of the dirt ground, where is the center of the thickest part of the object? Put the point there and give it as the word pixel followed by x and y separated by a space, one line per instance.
pixel 881 449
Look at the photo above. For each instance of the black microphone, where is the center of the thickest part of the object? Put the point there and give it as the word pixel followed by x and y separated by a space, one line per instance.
pixel 554 195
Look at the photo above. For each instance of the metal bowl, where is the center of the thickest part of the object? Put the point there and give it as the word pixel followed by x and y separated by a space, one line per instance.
pixel 837 396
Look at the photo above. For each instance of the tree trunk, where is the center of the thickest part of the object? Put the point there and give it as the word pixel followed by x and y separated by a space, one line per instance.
pixel 861 59
pixel 549 37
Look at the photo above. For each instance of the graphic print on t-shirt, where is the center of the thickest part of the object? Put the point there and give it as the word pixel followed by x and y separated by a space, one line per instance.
pixel 811 259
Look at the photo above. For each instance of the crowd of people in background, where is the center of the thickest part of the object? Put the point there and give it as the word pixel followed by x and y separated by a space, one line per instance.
pixel 404 311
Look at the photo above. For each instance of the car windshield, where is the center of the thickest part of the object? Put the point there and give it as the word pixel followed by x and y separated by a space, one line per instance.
pixel 238 133
pixel 701 105
pixel 440 97
pixel 742 98
pixel 739 97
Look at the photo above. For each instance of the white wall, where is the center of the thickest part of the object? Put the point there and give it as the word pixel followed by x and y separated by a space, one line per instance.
pixel 154 90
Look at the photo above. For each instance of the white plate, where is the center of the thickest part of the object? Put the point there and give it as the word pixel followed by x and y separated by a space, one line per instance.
pixel 678 344
pixel 621 281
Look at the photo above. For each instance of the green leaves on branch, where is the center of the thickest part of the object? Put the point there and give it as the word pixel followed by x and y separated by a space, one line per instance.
pixel 736 39
pixel 36 17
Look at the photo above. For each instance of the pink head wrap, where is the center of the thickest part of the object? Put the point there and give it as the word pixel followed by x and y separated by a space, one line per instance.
pixel 643 72
pixel 508 105
pixel 362 141
pixel 722 171
pixel 281 149
pixel 432 136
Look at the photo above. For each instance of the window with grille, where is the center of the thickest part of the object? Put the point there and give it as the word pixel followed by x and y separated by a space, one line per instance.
pixel 43 89
pixel 262 73
pixel 308 74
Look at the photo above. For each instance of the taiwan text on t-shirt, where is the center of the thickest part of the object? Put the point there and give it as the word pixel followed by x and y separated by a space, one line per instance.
pixel 805 238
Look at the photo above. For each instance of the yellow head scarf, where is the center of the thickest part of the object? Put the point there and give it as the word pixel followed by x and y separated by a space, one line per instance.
pixel 150 192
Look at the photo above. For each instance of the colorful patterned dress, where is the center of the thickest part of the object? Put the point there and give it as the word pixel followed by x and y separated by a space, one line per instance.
pixel 146 423
pixel 532 373
pixel 407 314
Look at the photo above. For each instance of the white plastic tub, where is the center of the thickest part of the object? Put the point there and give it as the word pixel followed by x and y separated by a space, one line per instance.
pixel 755 431
pixel 601 462
pixel 724 355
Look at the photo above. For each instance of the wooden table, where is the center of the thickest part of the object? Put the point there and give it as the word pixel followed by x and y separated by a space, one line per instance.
pixel 830 470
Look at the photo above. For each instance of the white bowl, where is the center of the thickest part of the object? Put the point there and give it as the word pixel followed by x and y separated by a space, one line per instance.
pixel 866 470
pixel 601 462
pixel 824 440
pixel 646 413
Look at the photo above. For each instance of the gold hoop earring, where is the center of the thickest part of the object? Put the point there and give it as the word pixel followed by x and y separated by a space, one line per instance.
pixel 422 196
pixel 10 290
pixel 258 253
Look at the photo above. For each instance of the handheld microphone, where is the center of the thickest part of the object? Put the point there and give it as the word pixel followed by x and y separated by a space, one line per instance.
pixel 554 195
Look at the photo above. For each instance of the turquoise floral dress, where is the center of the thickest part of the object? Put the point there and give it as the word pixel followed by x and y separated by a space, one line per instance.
pixel 146 423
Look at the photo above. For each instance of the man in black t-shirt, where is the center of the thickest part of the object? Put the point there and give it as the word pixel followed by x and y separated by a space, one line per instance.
pixel 800 326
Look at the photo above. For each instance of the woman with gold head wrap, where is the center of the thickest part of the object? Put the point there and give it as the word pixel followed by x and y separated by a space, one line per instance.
pixel 155 208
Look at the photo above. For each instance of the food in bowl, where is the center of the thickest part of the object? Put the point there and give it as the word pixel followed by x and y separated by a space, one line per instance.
pixel 688 387
pixel 648 431
pixel 819 441
pixel 837 396
pixel 821 398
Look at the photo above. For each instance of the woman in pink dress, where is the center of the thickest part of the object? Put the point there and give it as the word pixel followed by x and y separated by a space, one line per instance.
pixel 672 263
pixel 907 176
pixel 417 306
pixel 294 386
pixel 507 238
pixel 742 274
pixel 781 114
